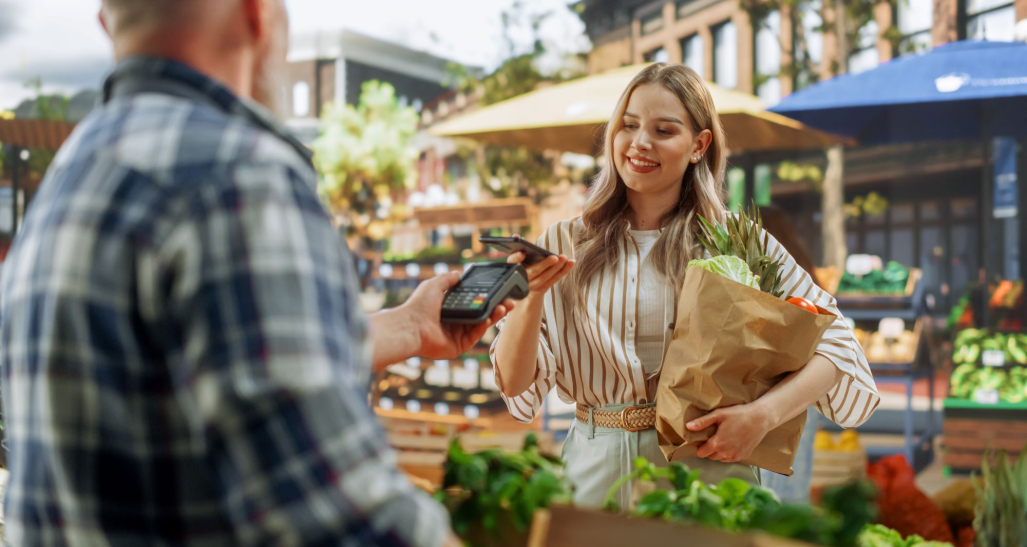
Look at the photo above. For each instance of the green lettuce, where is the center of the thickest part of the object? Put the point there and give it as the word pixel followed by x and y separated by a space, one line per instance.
pixel 731 267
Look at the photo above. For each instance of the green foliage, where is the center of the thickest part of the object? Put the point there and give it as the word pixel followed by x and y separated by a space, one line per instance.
pixel 742 235
pixel 364 155
pixel 514 172
pixel 1001 514
pixel 872 204
pixel 857 14
pixel 734 505
pixel 477 488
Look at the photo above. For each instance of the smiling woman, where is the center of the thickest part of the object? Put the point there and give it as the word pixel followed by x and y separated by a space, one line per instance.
pixel 603 330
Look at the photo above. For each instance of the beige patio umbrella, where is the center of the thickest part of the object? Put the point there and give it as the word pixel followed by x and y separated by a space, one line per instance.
pixel 570 117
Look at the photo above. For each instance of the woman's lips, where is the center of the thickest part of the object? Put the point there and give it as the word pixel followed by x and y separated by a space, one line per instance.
pixel 641 168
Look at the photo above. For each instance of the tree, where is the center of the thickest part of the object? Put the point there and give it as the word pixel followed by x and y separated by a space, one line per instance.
pixel 845 21
pixel 512 172
pixel 364 156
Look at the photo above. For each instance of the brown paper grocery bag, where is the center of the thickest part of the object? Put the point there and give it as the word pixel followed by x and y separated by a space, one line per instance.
pixel 731 344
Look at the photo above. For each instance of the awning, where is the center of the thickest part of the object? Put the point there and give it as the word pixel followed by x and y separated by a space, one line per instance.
pixel 35 134
pixel 571 117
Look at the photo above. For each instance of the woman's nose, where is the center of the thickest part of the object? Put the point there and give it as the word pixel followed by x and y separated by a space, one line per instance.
pixel 641 142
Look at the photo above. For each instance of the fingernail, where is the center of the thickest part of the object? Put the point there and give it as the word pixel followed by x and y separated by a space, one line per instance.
pixel 691 424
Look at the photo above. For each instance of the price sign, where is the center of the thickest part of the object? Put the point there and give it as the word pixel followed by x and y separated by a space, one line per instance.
pixel 438 377
pixel 465 378
pixel 993 358
pixel 862 264
pixel 986 396
pixel 891 328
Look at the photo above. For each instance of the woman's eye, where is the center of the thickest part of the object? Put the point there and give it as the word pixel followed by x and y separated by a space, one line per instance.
pixel 630 126
pixel 665 132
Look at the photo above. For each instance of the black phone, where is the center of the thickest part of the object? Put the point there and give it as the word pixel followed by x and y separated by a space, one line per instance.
pixel 532 253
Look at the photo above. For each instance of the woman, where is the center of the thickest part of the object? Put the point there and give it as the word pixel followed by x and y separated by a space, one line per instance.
pixel 600 315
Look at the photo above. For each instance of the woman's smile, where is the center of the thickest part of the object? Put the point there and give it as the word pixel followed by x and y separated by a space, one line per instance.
pixel 642 165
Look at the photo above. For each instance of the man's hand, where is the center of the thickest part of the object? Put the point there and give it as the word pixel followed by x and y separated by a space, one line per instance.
pixel 439 341
pixel 740 429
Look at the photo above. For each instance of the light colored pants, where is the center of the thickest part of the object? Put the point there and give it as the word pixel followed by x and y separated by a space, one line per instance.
pixel 795 489
pixel 596 457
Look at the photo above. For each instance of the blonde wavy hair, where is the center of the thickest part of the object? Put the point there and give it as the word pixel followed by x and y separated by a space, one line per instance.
pixel 605 223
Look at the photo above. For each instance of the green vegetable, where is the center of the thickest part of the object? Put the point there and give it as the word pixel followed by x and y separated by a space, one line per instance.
pixel 891 280
pixel 731 267
pixel 876 535
pixel 478 488
pixel 1001 513
pixel 734 505
pixel 742 235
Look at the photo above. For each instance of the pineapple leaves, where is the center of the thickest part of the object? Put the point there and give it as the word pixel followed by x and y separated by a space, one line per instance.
pixel 742 235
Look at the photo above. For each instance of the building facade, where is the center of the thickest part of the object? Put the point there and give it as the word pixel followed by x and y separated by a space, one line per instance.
pixel 939 216
pixel 717 38
pixel 327 67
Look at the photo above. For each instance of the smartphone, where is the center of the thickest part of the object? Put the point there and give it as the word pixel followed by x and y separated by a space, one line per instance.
pixel 532 253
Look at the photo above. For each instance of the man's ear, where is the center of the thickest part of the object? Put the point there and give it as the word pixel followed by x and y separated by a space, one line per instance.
pixel 103 22
pixel 255 12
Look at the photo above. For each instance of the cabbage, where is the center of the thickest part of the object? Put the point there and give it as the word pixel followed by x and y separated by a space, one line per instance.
pixel 731 267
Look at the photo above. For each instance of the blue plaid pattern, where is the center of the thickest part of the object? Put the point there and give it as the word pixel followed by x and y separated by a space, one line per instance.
pixel 182 357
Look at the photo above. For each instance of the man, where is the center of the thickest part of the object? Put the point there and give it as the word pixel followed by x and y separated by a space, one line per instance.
pixel 183 359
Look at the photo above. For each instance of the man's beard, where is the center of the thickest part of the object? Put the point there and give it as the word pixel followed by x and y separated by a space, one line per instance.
pixel 269 85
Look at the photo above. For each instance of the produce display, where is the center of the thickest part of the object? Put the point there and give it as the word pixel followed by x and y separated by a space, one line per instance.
pixel 879 349
pixel 967 379
pixel 733 505
pixel 848 441
pixel 479 488
pixel 892 280
pixel 970 344
pixel 903 506
pixel 989 361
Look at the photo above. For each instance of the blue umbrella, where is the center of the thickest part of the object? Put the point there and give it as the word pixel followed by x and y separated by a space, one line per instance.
pixel 961 90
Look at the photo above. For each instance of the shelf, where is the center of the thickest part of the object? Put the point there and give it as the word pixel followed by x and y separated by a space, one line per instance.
pixel 974 405
pixel 906 314
pixel 429 417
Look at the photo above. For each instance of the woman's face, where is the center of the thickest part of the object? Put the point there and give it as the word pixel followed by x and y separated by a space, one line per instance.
pixel 655 142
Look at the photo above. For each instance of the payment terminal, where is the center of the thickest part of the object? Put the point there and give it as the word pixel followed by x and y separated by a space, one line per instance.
pixel 481 289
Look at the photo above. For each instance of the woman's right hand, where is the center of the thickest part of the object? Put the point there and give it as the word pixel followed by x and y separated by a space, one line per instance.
pixel 543 275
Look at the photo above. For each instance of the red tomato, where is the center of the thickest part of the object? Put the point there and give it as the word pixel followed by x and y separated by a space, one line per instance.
pixel 804 304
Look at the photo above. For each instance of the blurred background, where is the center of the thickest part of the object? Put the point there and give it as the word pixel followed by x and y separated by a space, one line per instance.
pixel 887 134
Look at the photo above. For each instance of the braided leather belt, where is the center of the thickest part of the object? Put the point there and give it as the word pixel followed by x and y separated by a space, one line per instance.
pixel 632 418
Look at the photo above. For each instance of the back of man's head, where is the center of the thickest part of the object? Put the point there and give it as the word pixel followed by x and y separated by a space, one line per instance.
pixel 133 15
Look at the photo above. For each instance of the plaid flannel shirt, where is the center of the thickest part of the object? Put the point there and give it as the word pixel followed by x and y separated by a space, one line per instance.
pixel 183 361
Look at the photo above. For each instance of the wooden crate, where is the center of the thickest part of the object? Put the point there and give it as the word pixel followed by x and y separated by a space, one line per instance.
pixel 966 440
pixel 562 526
pixel 831 468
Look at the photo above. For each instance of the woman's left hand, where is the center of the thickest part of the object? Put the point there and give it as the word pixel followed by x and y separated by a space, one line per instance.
pixel 740 429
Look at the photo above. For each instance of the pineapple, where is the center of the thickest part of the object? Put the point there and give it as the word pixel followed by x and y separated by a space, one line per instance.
pixel 740 236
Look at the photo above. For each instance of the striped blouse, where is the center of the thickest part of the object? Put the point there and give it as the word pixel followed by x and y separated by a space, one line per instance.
pixel 596 363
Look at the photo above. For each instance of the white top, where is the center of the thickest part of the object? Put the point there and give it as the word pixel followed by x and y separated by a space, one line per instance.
pixel 596 361
pixel 652 304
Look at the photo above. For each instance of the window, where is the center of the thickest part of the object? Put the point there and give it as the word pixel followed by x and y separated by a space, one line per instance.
pixel 658 55
pixel 807 47
pixel 301 99
pixel 768 59
pixel 725 55
pixel 915 18
pixel 864 54
pixel 652 23
pixel 990 20
pixel 684 8
pixel 418 105
pixel 692 54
